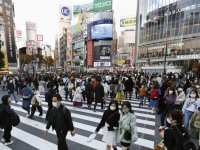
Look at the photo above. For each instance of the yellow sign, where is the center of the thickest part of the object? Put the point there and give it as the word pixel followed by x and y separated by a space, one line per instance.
pixel 128 22
pixel 120 62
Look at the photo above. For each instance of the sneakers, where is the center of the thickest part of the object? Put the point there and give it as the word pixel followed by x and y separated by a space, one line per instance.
pixel 8 143
pixel 3 140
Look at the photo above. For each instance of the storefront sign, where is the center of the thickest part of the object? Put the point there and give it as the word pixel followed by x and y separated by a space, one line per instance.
pixel 186 57
pixel 102 64
pixel 102 5
pixel 128 22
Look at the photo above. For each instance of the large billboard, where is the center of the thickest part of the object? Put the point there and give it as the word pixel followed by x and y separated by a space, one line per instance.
pixel 65 13
pixel 102 29
pixel 83 8
pixel 102 52
pixel 128 22
pixel 9 31
pixel 102 5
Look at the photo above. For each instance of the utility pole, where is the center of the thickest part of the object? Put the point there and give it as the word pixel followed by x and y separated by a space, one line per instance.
pixel 166 47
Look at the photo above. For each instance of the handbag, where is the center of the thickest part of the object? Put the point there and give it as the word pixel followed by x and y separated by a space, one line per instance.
pixel 127 135
pixel 194 133
pixel 14 119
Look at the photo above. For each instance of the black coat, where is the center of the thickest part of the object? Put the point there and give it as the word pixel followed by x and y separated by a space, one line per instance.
pixel 173 137
pixel 89 89
pixel 109 117
pixel 60 119
pixel 10 88
pixel 99 93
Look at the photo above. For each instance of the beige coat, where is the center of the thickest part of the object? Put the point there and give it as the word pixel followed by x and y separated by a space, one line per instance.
pixel 195 120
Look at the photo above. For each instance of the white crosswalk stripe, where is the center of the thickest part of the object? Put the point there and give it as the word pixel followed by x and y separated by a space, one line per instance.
pixel 31 132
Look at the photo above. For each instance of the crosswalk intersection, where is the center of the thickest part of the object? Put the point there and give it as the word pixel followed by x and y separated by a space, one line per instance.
pixel 29 135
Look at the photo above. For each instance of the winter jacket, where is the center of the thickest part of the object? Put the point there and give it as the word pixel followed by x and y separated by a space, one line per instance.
pixel 60 119
pixel 127 122
pixel 174 137
pixel 191 105
pixel 109 117
pixel 170 99
pixel 195 120
pixel 99 93
pixel 89 90
pixel 142 92
pixel 180 98
pixel 7 111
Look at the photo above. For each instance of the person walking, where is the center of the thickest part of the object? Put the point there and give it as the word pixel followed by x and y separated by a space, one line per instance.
pixel 110 122
pixel 127 133
pixel 190 106
pixel 99 94
pixel 5 124
pixel 169 100
pixel 180 98
pixel 11 90
pixel 26 95
pixel 77 100
pixel 36 102
pixel 48 98
pixel 177 136
pixel 61 121
pixel 89 90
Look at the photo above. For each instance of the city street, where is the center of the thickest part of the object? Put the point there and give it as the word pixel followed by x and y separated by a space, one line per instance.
pixel 29 135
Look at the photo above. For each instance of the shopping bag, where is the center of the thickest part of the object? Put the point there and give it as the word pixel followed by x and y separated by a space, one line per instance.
pixel 91 137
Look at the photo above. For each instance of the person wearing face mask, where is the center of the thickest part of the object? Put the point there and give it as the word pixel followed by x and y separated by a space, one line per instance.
pixel 190 106
pixel 110 122
pixel 170 98
pixel 61 121
pixel 127 126
pixel 180 98
pixel 177 137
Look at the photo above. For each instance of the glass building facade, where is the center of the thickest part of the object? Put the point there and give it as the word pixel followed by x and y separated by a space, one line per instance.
pixel 171 28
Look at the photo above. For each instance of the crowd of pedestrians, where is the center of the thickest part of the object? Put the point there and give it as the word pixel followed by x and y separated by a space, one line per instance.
pixel 172 97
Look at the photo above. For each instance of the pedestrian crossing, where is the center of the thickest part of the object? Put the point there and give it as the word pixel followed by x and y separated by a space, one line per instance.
pixel 30 133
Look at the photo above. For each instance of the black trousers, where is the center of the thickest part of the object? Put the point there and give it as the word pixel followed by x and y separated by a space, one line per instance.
pixel 33 109
pixel 66 94
pixel 62 144
pixel 95 105
pixel 83 94
pixel 48 112
pixel 7 133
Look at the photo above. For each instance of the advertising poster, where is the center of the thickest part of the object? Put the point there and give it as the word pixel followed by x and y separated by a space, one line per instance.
pixel 102 29
pixel 83 8
pixel 102 52
pixel 9 31
pixel 102 5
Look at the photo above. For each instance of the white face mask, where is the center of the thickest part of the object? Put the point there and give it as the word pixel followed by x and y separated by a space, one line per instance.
pixel 193 95
pixel 180 89
pixel 170 92
pixel 169 121
pixel 197 86
pixel 112 108
pixel 54 104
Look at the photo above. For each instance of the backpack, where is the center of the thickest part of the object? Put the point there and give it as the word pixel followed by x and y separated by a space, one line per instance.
pixel 14 119
pixel 154 94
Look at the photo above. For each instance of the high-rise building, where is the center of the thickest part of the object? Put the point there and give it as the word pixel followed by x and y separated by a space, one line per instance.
pixel 169 35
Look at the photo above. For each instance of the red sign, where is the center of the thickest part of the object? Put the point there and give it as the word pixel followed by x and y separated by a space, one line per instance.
pixel 90 53
pixel 39 37
pixel 18 33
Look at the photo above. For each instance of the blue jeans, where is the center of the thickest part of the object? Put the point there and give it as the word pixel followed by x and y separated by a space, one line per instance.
pixel 187 117
pixel 14 96
pixel 141 100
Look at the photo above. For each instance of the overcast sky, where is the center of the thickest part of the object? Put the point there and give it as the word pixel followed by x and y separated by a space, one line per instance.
pixel 45 14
